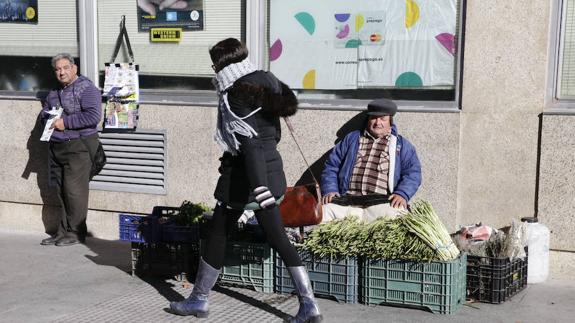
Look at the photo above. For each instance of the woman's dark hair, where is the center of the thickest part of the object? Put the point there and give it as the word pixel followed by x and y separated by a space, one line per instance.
pixel 226 52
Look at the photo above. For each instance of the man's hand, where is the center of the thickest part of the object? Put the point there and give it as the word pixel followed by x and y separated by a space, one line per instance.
pixel 58 124
pixel 149 6
pixel 328 197
pixel 397 201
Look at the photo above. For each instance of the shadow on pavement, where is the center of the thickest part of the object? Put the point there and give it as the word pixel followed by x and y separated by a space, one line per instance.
pixel 116 253
pixel 251 301
pixel 112 253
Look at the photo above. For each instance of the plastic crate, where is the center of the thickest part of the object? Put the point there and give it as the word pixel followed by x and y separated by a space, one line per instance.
pixel 436 286
pixel 249 265
pixel 165 260
pixel 171 232
pixel 165 211
pixel 330 277
pixel 495 280
pixel 177 233
pixel 139 228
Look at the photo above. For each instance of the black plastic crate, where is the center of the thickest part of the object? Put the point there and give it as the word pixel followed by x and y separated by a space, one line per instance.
pixel 172 232
pixel 139 228
pixel 165 260
pixel 495 280
pixel 177 233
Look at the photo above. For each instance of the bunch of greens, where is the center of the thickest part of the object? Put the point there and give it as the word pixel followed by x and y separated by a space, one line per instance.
pixel 335 238
pixel 423 222
pixel 190 213
pixel 416 235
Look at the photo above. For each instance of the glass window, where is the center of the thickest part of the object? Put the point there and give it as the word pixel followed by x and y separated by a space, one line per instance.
pixel 185 65
pixel 364 49
pixel 566 71
pixel 31 32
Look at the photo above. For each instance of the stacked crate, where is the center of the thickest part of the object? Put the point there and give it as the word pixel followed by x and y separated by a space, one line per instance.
pixel 160 247
pixel 495 280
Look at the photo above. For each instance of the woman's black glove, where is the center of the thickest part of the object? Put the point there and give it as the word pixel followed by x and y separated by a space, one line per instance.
pixel 264 197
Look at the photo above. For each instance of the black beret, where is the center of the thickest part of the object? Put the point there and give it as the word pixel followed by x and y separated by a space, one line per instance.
pixel 381 107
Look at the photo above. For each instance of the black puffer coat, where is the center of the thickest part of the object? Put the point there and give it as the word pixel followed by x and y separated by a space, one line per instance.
pixel 258 163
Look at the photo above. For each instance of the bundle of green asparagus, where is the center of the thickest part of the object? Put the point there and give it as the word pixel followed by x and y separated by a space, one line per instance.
pixel 415 235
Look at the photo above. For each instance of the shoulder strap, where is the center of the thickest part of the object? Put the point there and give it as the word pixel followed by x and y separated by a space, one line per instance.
pixel 122 36
pixel 291 131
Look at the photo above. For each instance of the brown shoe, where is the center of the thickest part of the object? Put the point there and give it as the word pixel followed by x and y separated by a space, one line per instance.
pixel 51 241
pixel 67 241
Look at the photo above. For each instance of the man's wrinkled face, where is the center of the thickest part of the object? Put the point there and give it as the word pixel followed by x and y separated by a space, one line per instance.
pixel 379 126
pixel 65 71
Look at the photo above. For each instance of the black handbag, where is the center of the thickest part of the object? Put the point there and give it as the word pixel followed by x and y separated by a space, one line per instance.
pixel 98 158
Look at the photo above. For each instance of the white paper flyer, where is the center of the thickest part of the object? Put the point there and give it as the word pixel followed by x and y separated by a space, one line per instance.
pixel 48 130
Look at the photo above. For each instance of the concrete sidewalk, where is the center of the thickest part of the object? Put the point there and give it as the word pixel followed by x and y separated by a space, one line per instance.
pixel 91 283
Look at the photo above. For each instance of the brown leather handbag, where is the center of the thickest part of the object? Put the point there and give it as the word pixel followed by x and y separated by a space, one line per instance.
pixel 301 204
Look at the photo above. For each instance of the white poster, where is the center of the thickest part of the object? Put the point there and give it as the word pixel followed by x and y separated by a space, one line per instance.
pixel 337 44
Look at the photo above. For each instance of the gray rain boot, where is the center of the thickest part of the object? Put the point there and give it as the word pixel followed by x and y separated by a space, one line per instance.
pixel 197 303
pixel 308 310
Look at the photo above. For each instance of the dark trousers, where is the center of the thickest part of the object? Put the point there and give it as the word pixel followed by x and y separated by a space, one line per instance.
pixel 70 165
pixel 272 225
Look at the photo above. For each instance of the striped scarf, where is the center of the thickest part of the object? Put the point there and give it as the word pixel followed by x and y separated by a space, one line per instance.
pixel 228 122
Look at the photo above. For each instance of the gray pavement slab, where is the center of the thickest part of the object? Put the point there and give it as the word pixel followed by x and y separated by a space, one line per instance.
pixel 91 283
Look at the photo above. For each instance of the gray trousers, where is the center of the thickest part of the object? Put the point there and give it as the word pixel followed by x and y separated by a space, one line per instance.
pixel 70 165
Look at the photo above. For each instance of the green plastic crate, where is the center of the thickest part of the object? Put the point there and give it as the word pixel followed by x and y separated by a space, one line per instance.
pixel 330 277
pixel 437 286
pixel 248 264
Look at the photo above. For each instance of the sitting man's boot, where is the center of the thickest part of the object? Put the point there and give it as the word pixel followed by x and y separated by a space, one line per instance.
pixel 197 303
pixel 308 309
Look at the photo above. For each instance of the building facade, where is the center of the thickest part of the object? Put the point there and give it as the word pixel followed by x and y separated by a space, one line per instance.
pixel 494 133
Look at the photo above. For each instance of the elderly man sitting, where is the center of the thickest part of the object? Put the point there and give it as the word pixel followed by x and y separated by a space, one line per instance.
pixel 372 172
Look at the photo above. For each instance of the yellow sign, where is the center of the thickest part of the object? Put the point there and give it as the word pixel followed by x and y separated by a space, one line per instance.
pixel 30 13
pixel 166 34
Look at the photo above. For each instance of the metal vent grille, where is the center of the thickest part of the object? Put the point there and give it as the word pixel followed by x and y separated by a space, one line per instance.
pixel 136 162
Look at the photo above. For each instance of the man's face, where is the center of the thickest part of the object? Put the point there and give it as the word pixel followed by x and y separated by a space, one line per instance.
pixel 379 126
pixel 65 71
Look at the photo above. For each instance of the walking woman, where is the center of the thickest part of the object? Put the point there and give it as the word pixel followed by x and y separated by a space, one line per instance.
pixel 251 103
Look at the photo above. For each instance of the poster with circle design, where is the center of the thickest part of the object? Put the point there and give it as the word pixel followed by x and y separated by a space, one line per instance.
pixel 337 44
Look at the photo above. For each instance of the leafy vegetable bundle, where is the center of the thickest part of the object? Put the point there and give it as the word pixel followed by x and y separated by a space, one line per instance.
pixel 415 235
pixel 190 213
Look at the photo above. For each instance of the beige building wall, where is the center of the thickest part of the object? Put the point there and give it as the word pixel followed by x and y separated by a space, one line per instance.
pixel 479 164
pixel 503 93
pixel 28 204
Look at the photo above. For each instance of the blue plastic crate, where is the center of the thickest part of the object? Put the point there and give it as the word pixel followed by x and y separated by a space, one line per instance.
pixel 436 286
pixel 139 228
pixel 330 277
pixel 248 264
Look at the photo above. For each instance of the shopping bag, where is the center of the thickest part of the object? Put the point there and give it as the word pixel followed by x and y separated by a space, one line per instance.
pixel 121 88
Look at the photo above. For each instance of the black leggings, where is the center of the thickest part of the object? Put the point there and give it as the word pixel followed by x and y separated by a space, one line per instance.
pixel 272 225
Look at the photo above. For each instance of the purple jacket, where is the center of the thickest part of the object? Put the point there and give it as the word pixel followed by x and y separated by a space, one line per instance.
pixel 82 103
